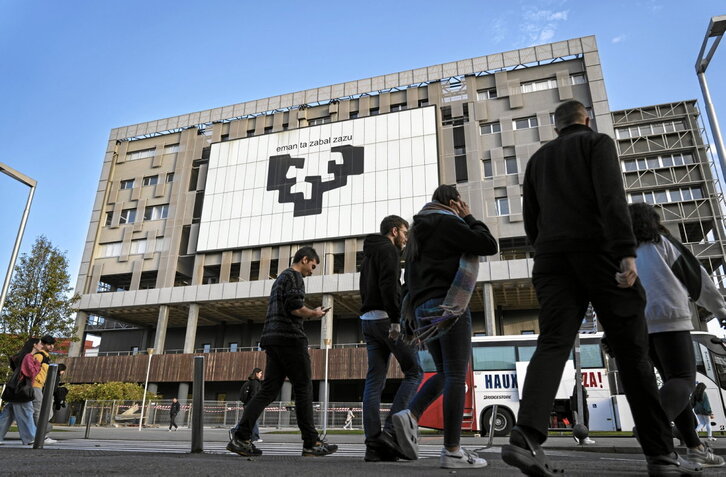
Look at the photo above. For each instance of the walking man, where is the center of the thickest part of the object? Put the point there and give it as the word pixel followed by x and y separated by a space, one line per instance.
pixel 380 290
pixel 576 216
pixel 173 411
pixel 286 347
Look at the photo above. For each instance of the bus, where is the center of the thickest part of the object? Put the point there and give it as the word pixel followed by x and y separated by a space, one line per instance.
pixel 499 364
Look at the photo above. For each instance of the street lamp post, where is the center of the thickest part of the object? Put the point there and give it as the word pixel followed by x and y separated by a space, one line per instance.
pixel 5 169
pixel 716 29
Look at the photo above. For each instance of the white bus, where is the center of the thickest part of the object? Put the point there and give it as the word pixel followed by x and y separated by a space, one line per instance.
pixel 499 365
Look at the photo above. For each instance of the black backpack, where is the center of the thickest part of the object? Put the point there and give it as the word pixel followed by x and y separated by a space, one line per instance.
pixel 245 393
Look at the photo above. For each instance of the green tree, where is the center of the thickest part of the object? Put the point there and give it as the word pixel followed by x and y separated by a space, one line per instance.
pixel 40 300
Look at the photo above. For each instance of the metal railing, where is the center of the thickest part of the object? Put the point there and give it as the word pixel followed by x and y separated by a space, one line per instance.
pixel 224 414
pixel 219 350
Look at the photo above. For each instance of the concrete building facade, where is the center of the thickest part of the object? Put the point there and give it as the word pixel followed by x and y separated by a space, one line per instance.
pixel 156 273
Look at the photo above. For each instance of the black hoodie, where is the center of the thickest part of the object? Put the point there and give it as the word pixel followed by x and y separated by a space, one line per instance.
pixel 441 240
pixel 380 277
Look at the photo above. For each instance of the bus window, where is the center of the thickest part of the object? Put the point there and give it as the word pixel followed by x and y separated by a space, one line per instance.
pixel 720 362
pixel 591 356
pixel 427 362
pixel 525 352
pixel 491 358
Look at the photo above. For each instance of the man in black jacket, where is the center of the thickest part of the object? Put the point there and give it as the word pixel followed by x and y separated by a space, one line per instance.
pixel 173 411
pixel 576 215
pixel 286 348
pixel 380 290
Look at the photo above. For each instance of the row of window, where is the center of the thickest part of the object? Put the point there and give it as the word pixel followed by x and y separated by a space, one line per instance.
pixel 138 247
pixel 520 123
pixel 128 216
pixel 510 166
pixel 664 196
pixel 657 162
pixel 146 181
pixel 151 152
pixel 650 129
pixel 532 86
pixel 499 358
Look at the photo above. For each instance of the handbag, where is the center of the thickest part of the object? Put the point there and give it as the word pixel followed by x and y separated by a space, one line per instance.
pixel 18 388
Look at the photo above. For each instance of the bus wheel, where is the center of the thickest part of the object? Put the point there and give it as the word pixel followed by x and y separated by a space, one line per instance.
pixel 503 423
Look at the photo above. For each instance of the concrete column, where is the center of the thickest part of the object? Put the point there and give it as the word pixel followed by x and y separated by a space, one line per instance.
pixel 286 393
pixel 326 322
pixel 76 348
pixel 489 310
pixel 191 335
pixel 161 324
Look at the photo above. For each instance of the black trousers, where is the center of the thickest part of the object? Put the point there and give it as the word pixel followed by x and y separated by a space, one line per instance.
pixel 672 355
pixel 292 362
pixel 172 420
pixel 565 283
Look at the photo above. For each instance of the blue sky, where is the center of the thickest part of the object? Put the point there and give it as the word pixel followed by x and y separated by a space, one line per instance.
pixel 73 70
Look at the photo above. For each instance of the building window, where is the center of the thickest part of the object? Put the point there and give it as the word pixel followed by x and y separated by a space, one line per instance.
pixel 233 347
pixel 250 132
pixel 134 350
pixel 156 212
pixel 578 78
pixel 109 218
pixel 398 107
pixel 525 123
pixel 663 196
pixel 150 180
pixel 112 249
pixel 484 94
pixel 539 85
pixel 171 149
pixel 460 167
pixel 170 177
pixel 490 128
pixel 128 216
pixel 353 114
pixel 657 162
pixel 510 165
pixel 127 184
pixel 488 168
pixel 142 154
pixel 502 204
pixel 319 121
pixel 206 347
pixel 267 130
pixel 423 102
pixel 374 111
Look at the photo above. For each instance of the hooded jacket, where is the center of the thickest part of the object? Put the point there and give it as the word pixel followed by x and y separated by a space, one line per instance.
pixel 440 241
pixel 380 277
pixel 671 275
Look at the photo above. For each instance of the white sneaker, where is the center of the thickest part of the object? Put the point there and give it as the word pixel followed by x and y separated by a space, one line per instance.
pixel 48 440
pixel 258 440
pixel 461 459
pixel 588 441
pixel 406 429
pixel 711 439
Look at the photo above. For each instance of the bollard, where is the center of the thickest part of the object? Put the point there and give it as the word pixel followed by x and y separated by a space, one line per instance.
pixel 45 406
pixel 198 405
pixel 91 415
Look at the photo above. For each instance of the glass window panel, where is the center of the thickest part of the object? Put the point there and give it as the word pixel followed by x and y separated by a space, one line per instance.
pixel 661 197
pixel 488 171
pixel 675 195
pixel 591 356
pixel 649 198
pixel 622 133
pixel 488 358
pixel 511 165
pixel 642 164
pixel 697 193
pixel 636 198
pixel 686 194
pixel 658 128
pixel 667 160
pixel 630 166
pixel 687 158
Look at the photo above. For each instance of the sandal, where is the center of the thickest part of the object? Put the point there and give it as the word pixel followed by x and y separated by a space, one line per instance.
pixel 531 461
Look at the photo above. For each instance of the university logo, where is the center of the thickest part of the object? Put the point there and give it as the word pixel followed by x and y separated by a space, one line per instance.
pixel 277 180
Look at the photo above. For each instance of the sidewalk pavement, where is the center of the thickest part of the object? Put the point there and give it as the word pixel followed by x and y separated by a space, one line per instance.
pixel 613 445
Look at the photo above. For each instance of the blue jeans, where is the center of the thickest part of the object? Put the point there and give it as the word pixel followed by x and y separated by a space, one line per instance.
pixel 22 413
pixel 451 354
pixel 380 348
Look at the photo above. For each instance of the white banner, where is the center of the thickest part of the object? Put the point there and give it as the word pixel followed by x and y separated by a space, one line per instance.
pixel 333 180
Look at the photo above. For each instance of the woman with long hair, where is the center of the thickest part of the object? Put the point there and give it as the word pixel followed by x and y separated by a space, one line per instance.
pixel 442 261
pixel 22 411
pixel 702 409
pixel 672 277
pixel 248 391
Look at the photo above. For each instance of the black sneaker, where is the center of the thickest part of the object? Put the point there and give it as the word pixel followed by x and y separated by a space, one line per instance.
pixel 388 441
pixel 378 454
pixel 245 448
pixel 320 449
